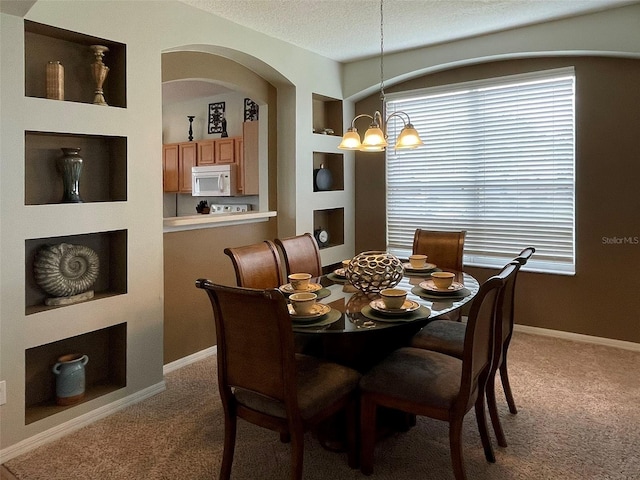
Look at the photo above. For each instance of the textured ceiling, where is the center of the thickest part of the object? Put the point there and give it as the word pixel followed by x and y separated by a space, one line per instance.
pixel 347 30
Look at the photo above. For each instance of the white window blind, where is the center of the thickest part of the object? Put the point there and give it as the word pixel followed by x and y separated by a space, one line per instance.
pixel 498 162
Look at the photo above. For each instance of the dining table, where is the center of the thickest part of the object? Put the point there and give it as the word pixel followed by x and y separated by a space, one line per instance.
pixel 357 330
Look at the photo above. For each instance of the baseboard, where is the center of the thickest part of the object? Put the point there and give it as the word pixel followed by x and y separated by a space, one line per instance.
pixel 578 337
pixel 194 357
pixel 83 420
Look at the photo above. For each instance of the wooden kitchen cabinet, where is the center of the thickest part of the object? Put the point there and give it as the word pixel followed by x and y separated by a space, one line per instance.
pixel 225 150
pixel 248 164
pixel 177 160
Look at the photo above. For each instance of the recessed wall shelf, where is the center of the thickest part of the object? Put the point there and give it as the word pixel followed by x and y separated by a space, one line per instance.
pixel 327 114
pixel 334 163
pixel 104 168
pixel 111 248
pixel 44 43
pixel 105 372
pixel 331 220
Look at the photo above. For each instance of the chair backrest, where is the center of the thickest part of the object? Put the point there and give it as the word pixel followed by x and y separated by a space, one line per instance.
pixel 524 256
pixel 301 254
pixel 480 334
pixel 257 265
pixel 444 249
pixel 255 343
pixel 504 329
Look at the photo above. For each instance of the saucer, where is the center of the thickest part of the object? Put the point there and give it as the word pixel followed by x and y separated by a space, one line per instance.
pixel 429 286
pixel 288 289
pixel 318 310
pixel 407 307
pixel 427 266
pixel 340 272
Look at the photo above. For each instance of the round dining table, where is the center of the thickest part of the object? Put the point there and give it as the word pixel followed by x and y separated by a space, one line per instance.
pixel 357 335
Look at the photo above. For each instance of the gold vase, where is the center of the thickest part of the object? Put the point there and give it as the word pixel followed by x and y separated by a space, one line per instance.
pixel 99 71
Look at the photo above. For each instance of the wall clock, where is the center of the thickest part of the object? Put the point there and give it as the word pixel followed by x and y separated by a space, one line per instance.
pixel 322 237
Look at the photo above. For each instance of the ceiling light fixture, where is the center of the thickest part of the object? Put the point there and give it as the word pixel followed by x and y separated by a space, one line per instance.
pixel 375 138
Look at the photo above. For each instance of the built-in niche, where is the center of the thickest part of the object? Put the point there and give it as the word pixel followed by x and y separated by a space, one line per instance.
pixel 333 178
pixel 327 115
pixel 111 249
pixel 105 372
pixel 331 220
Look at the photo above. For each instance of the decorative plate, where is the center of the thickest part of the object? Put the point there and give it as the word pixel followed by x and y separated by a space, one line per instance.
pixel 427 267
pixel 318 310
pixel 288 289
pixel 332 317
pixel 429 286
pixel 407 307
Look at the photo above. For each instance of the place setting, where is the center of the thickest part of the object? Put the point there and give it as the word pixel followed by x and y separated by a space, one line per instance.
pixel 301 283
pixel 394 306
pixel 441 284
pixel 339 275
pixel 306 311
pixel 418 265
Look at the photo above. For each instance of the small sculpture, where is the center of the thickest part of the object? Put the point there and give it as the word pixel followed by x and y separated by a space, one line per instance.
pixel 371 272
pixel 191 117
pixel 99 71
pixel 67 272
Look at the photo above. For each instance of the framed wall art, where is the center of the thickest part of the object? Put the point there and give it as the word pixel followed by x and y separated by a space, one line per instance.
pixel 250 110
pixel 216 115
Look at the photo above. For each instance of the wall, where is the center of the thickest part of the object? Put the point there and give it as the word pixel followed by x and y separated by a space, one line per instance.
pixel 607 150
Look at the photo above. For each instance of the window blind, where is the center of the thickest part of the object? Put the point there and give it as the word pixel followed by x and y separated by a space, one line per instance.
pixel 498 162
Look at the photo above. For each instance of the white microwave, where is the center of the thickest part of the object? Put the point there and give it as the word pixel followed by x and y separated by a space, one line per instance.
pixel 213 181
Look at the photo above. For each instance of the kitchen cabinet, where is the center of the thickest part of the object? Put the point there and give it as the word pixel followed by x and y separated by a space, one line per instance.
pixel 248 159
pixel 219 151
pixel 177 160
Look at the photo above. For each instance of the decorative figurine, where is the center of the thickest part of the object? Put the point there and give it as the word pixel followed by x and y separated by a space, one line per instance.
pixel 191 117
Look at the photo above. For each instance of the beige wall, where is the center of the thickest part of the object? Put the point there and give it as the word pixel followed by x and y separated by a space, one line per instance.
pixel 607 200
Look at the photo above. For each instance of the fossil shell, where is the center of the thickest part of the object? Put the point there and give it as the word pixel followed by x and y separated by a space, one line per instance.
pixel 64 270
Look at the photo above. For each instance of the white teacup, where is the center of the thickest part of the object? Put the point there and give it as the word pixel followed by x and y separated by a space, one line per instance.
pixel 393 298
pixel 442 280
pixel 418 261
pixel 303 303
pixel 300 281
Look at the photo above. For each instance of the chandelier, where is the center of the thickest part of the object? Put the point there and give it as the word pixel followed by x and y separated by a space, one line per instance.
pixel 375 138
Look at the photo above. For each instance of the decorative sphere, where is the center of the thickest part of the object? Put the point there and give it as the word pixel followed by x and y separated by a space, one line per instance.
pixel 373 271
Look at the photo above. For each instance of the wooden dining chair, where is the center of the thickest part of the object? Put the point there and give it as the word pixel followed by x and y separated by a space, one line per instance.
pixel 257 265
pixel 301 254
pixel 262 380
pixel 439 386
pixel 448 337
pixel 444 249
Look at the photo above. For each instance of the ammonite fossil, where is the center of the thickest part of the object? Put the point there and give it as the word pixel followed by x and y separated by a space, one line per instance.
pixel 64 270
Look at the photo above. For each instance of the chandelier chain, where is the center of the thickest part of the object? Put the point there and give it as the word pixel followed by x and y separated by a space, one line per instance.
pixel 381 53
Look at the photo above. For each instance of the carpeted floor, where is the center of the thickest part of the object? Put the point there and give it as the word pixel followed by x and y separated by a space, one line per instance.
pixel 579 419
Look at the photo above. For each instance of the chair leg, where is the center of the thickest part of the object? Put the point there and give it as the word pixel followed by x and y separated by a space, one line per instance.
pixel 367 434
pixel 481 419
pixel 297 453
pixel 493 410
pixel 230 423
pixel 504 377
pixel 455 444
pixel 353 454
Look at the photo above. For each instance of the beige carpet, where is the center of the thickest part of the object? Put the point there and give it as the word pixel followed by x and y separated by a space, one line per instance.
pixel 579 418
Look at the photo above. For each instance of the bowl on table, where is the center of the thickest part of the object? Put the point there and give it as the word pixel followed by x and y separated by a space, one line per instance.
pixel 393 298
pixel 303 302
pixel 299 281
pixel 417 261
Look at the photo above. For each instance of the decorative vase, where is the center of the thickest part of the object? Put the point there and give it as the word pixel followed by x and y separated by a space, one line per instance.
pixel 371 272
pixel 99 71
pixel 70 165
pixel 322 179
pixel 55 81
pixel 70 378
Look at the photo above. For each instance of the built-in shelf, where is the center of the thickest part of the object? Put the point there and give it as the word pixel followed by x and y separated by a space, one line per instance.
pixel 104 168
pixel 111 248
pixel 334 163
pixel 105 372
pixel 44 43
pixel 331 220
pixel 327 114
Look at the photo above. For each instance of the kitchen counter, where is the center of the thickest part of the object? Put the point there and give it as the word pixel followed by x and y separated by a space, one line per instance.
pixel 193 222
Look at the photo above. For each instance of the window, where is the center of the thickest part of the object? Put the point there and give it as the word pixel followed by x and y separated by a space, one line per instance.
pixel 498 162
